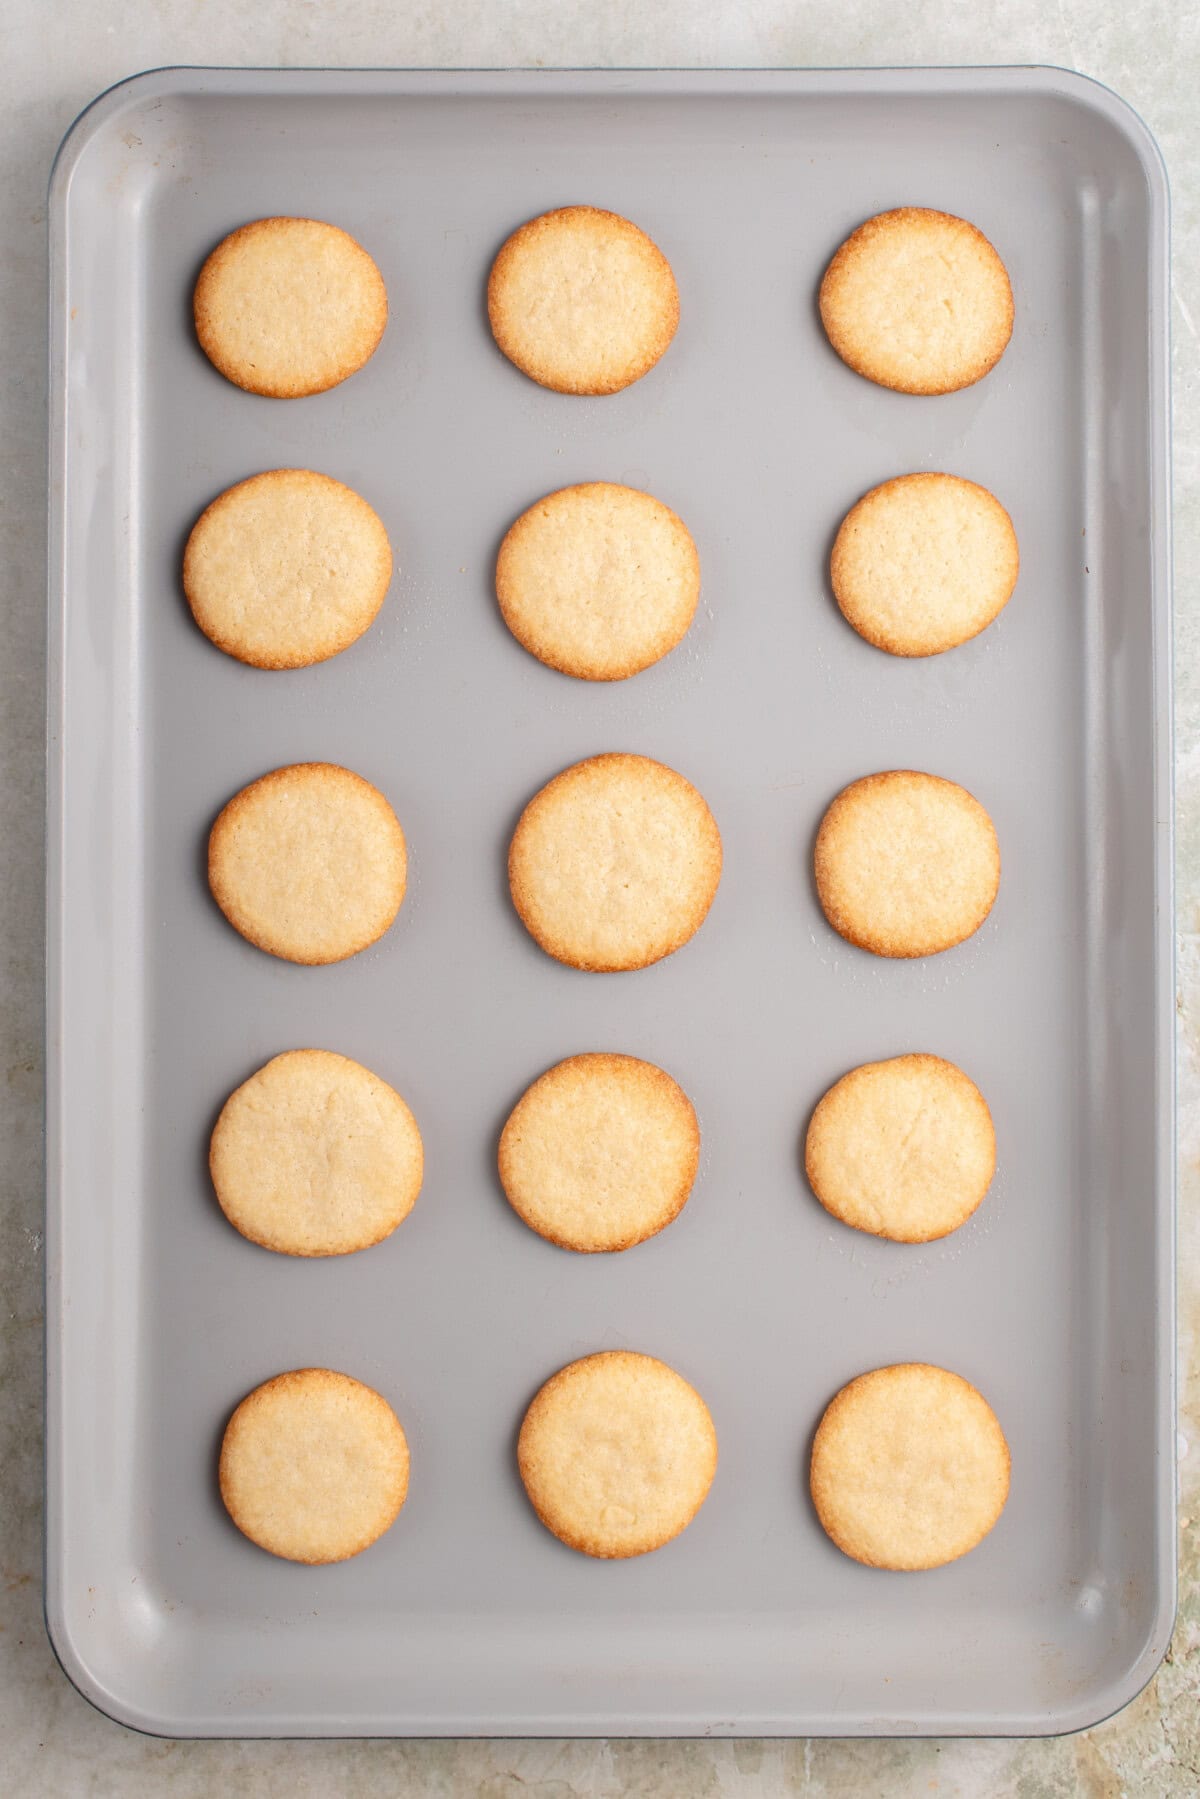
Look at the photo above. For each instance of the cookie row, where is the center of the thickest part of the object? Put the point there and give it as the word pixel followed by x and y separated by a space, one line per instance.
pixel 869 1140
pixel 617 1452
pixel 599 581
pixel 314 1155
pixel 613 865
pixel 583 302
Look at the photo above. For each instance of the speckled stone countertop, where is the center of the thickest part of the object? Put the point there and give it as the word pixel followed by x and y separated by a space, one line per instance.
pixel 55 59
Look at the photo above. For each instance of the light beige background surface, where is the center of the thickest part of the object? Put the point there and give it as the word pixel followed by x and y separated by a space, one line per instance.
pixel 54 56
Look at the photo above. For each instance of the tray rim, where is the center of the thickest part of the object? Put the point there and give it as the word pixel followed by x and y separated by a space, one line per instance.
pixel 1041 80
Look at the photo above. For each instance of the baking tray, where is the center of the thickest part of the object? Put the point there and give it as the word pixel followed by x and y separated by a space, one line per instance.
pixel 1055 1299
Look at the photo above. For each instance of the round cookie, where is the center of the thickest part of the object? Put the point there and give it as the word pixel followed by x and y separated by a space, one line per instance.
pixel 315 1156
pixel 314 1466
pixel 906 864
pixel 902 1149
pixel 598 581
pixel 923 563
pixel 600 1153
pixel 617 1453
pixel 286 569
pixel 615 863
pixel 919 301
pixel 285 307
pixel 582 301
pixel 308 863
pixel 910 1468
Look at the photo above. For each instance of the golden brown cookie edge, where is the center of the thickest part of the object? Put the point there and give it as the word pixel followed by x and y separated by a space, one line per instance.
pixel 844 258
pixel 305 1376
pixel 580 1540
pixel 842 1398
pixel 882 944
pixel 208 332
pixel 264 1241
pixel 337 641
pixel 922 1057
pixel 228 815
pixel 655 1076
pixel 539 371
pixel 853 614
pixel 528 640
pixel 556 946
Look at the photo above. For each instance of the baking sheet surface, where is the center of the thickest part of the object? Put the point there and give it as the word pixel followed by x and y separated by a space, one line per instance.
pixel 1054 1299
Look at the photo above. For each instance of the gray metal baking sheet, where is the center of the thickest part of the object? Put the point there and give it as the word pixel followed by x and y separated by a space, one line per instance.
pixel 1055 1298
